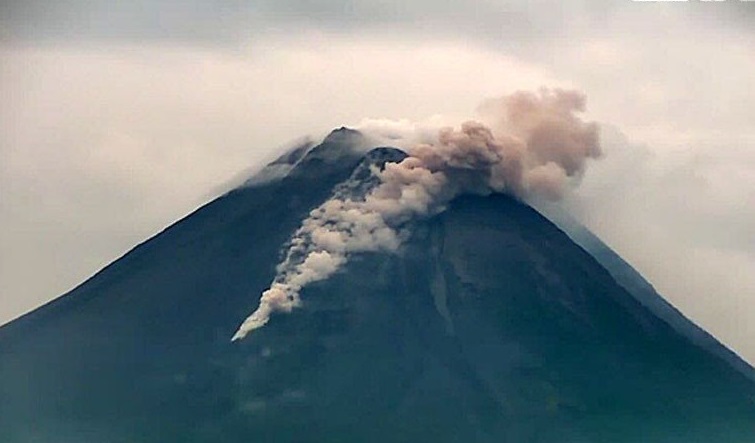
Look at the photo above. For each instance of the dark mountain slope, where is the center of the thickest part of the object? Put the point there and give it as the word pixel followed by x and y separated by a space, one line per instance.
pixel 645 293
pixel 490 326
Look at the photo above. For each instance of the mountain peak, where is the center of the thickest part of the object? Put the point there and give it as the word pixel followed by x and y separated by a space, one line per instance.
pixel 341 150
pixel 341 146
pixel 342 135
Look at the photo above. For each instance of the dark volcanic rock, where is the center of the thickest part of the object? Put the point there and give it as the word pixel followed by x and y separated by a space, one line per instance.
pixel 491 325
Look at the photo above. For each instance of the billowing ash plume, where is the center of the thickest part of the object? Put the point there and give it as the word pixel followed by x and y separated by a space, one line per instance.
pixel 535 145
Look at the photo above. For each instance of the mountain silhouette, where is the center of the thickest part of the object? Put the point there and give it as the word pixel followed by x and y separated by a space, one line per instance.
pixel 490 325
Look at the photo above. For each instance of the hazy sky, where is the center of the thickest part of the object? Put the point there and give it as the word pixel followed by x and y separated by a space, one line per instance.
pixel 118 119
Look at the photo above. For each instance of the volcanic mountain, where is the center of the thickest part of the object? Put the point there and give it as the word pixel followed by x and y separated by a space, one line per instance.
pixel 490 324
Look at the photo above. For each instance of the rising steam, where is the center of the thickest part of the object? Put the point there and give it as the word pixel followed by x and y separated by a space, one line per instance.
pixel 534 145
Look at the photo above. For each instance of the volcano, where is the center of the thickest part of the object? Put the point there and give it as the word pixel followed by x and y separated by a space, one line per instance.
pixel 489 325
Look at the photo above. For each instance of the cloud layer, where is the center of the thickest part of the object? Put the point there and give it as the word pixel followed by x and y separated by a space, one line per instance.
pixel 536 146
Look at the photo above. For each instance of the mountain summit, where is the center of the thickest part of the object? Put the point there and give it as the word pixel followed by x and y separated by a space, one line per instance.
pixel 488 324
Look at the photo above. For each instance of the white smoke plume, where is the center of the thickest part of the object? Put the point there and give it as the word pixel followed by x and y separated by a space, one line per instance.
pixel 535 144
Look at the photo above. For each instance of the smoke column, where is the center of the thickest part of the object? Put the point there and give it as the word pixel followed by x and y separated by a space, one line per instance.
pixel 535 145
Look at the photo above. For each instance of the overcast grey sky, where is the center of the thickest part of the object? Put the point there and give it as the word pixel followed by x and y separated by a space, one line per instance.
pixel 118 119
